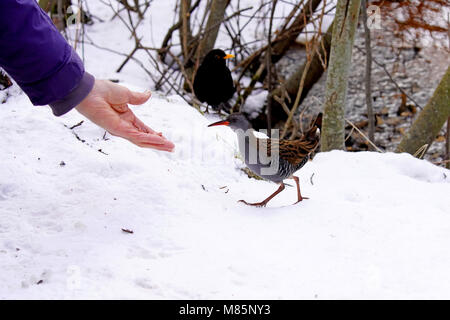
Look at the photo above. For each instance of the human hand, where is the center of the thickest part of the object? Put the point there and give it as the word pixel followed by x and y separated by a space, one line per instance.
pixel 107 106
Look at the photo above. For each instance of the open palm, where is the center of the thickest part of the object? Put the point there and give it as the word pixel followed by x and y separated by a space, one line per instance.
pixel 107 106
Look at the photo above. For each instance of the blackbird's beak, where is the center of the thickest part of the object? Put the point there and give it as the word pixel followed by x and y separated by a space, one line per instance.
pixel 228 56
pixel 220 123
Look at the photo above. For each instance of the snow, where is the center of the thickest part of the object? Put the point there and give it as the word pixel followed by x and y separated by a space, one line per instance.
pixel 375 226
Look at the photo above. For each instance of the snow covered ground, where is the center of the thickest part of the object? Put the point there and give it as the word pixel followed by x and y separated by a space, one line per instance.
pixel 375 226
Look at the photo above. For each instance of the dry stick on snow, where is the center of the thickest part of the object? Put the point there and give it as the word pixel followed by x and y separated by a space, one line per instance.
pixel 368 76
pixel 311 179
pixel 446 162
pixel 77 125
pixel 421 151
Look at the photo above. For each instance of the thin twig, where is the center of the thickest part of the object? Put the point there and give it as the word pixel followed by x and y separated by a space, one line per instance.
pixel 364 136
pixel 368 75
pixel 76 125
pixel 383 66
pixel 269 70
pixel 421 151
pixel 310 45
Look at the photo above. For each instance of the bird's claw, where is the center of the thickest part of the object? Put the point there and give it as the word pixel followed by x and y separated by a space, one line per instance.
pixel 303 198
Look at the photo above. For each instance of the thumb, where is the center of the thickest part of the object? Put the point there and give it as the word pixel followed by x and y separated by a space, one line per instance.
pixel 138 97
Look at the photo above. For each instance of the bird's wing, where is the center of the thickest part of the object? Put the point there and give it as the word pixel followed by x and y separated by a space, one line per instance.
pixel 293 151
pixel 229 84
pixel 199 81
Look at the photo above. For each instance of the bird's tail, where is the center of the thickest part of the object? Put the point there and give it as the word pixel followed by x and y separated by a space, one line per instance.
pixel 312 134
pixel 318 122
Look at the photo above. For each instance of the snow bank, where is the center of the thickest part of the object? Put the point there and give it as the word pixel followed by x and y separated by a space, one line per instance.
pixel 375 226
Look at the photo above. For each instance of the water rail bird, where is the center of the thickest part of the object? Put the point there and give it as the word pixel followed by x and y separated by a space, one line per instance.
pixel 273 159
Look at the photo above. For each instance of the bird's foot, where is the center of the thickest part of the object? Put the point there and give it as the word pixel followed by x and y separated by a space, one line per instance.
pixel 301 199
pixel 256 204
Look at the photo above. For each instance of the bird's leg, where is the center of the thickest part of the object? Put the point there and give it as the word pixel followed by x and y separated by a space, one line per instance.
pixel 299 195
pixel 263 203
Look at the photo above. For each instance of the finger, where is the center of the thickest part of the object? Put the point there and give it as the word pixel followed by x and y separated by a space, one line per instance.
pixel 116 94
pixel 149 143
pixel 136 98
pixel 142 126
pixel 132 133
pixel 144 140
pixel 152 146
pixel 121 108
pixel 128 131
pixel 153 139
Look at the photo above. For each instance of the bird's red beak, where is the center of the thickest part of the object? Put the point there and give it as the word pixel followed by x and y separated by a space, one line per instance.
pixel 228 56
pixel 220 123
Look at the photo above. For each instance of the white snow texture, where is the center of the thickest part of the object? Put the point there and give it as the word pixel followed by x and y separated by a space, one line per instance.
pixel 374 226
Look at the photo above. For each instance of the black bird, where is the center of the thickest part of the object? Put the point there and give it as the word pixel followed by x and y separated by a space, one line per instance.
pixel 273 159
pixel 213 83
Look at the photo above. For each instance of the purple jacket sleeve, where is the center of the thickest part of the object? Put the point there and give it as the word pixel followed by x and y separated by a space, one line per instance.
pixel 34 53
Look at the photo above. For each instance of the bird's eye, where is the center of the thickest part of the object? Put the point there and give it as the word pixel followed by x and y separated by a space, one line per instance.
pixel 217 57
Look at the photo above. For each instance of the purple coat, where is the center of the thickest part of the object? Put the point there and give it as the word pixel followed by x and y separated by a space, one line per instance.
pixel 35 54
